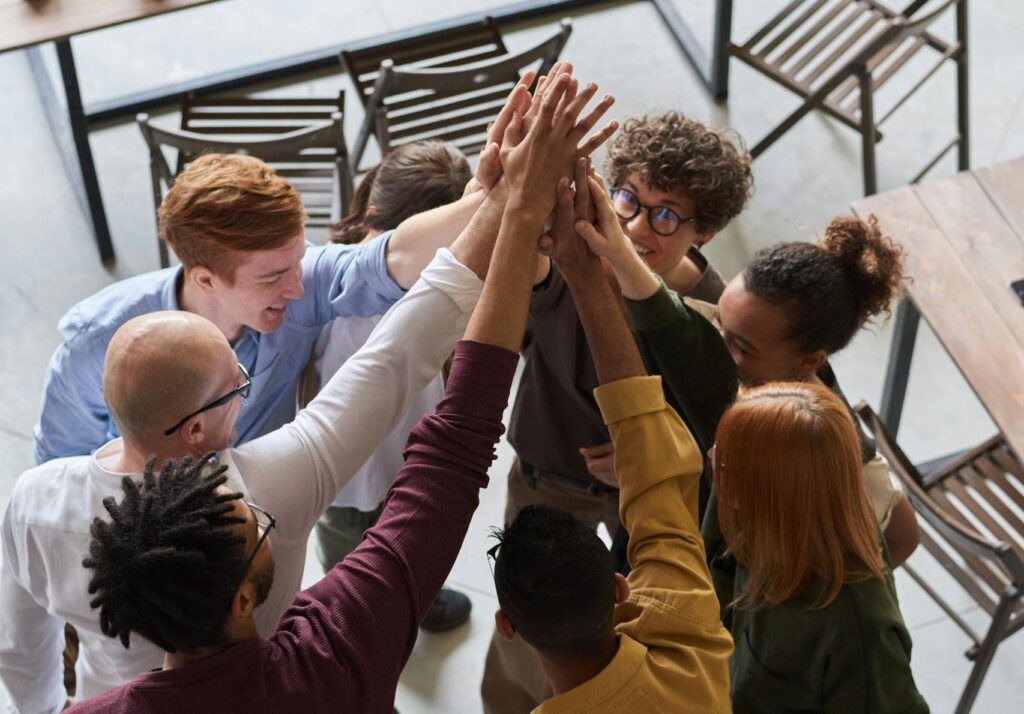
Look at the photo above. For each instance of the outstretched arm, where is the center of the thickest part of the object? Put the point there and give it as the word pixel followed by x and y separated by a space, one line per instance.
pixel 378 595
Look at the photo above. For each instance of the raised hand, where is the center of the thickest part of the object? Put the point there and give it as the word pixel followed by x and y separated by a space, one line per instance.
pixel 563 244
pixel 488 167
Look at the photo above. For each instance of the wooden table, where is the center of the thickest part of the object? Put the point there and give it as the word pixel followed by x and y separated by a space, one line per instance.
pixel 964 237
pixel 30 23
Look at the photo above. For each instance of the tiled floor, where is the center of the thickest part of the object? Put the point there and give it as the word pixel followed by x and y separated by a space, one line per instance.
pixel 810 175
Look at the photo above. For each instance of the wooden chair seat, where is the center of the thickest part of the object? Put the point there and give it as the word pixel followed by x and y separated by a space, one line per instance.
pixel 973 512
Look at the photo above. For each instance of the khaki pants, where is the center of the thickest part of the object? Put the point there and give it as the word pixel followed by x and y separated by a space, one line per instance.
pixel 514 682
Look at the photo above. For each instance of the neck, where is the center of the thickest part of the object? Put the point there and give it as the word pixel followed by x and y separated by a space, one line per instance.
pixel 243 632
pixel 567 674
pixel 192 299
pixel 133 458
pixel 682 276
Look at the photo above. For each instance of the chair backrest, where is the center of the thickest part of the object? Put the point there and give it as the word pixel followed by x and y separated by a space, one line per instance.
pixel 443 48
pixel 442 101
pixel 953 527
pixel 321 142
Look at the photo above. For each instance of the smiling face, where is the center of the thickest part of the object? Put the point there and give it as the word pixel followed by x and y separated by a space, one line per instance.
pixel 661 253
pixel 756 333
pixel 263 284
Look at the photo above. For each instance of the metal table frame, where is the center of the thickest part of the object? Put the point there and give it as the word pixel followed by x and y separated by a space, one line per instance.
pixel 70 124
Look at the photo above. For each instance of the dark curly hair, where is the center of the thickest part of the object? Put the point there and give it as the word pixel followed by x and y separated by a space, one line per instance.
pixel 412 178
pixel 555 581
pixel 831 288
pixel 170 559
pixel 669 152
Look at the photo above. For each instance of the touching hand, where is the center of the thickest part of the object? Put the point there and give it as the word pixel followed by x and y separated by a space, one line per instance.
pixel 601 463
pixel 563 244
pixel 537 157
pixel 488 167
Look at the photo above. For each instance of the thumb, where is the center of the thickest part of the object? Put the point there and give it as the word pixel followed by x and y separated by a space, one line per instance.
pixel 590 234
pixel 546 245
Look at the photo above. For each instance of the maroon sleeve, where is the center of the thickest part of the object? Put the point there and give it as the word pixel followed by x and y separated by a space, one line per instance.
pixel 358 625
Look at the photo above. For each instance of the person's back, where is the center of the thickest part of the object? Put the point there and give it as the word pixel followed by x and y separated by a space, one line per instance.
pixel 809 598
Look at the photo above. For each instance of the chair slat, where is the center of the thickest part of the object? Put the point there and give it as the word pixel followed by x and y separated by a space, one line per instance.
pixel 811 33
pixel 450 100
pixel 857 35
pixel 967 580
pixel 789 29
pixel 993 472
pixel 978 478
pixel 995 578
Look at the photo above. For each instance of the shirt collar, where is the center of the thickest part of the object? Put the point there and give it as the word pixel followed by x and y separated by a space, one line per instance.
pixel 624 665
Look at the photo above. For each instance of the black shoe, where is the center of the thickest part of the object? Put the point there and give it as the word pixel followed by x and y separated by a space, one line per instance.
pixel 450 609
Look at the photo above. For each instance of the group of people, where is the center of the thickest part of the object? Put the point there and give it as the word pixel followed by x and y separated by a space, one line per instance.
pixel 200 423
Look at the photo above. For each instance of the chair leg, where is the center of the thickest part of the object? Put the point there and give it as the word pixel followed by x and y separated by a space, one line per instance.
pixel 962 99
pixel 867 131
pixel 987 650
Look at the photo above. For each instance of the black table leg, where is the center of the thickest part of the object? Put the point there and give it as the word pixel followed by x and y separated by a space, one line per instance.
pixel 898 371
pixel 719 80
pixel 688 42
pixel 71 130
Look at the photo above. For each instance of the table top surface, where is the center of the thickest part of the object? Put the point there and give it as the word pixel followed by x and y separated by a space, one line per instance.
pixel 24 23
pixel 964 239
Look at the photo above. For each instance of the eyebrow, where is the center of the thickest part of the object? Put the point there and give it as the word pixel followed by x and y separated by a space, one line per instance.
pixel 671 202
pixel 273 274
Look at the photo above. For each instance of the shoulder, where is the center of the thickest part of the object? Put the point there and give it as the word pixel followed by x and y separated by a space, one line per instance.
pixel 44 489
pixel 98 316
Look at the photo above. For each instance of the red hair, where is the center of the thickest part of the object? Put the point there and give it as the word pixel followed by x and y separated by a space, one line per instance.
pixel 791 497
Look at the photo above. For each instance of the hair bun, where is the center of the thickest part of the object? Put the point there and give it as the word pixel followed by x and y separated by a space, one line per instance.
pixel 873 263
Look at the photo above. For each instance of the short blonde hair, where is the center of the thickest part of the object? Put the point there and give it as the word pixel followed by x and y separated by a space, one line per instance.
pixel 791 498
pixel 223 205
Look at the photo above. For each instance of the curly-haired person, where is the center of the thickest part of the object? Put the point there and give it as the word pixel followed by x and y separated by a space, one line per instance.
pixel 675 184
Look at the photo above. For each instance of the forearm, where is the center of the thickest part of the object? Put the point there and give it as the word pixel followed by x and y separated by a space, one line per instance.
pixel 636 280
pixel 611 341
pixel 417 239
pixel 475 244
pixel 500 317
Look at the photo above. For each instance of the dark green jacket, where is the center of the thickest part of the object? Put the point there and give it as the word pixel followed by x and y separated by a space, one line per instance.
pixel 851 657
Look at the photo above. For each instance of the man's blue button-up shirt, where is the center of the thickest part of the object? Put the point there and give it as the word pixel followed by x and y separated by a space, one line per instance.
pixel 339 280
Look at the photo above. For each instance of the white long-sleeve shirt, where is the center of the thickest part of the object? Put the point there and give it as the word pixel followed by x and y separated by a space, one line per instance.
pixel 294 473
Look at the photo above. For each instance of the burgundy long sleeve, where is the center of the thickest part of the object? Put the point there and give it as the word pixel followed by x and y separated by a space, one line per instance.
pixel 342 645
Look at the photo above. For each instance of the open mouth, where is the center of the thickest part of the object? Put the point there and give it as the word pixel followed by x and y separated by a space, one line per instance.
pixel 640 250
pixel 276 310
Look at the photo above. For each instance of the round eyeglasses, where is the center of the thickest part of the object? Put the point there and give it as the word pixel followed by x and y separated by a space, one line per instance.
pixel 662 219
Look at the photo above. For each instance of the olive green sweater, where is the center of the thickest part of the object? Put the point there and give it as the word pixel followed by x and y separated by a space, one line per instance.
pixel 850 657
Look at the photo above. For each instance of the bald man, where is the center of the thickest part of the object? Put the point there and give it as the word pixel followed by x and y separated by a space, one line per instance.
pixel 174 386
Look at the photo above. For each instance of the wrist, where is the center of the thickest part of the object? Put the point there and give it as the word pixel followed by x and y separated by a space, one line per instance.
pixel 635 278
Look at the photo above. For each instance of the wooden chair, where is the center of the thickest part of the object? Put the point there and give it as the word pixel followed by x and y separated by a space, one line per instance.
pixel 301 138
pixel 835 54
pixel 446 85
pixel 973 506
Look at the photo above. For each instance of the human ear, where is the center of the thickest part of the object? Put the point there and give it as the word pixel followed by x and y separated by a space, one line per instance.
pixel 244 601
pixel 201 277
pixel 812 363
pixel 621 588
pixel 703 239
pixel 503 626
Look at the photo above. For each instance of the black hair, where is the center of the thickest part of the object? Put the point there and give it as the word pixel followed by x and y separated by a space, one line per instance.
pixel 555 581
pixel 411 178
pixel 170 559
pixel 829 289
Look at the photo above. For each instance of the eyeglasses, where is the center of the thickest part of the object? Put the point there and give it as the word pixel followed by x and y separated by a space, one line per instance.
pixel 242 391
pixel 663 220
pixel 264 524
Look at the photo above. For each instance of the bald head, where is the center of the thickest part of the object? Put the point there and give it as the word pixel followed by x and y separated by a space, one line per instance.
pixel 160 367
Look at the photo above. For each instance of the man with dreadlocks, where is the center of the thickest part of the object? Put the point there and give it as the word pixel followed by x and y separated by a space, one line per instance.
pixel 171 380
pixel 182 542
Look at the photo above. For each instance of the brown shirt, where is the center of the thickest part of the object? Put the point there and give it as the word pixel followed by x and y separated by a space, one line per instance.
pixel 555 413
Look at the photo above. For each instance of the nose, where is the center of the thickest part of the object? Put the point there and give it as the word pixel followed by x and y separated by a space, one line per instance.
pixel 294 290
pixel 638 225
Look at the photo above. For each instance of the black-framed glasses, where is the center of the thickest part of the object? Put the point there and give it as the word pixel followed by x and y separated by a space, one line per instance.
pixel 662 219
pixel 240 391
pixel 264 524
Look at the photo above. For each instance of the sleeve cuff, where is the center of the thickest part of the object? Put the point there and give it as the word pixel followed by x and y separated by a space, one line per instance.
pixel 657 311
pixel 454 279
pixel 377 259
pixel 629 398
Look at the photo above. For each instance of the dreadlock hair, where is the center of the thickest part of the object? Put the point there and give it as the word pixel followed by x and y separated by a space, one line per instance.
pixel 555 581
pixel 170 559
